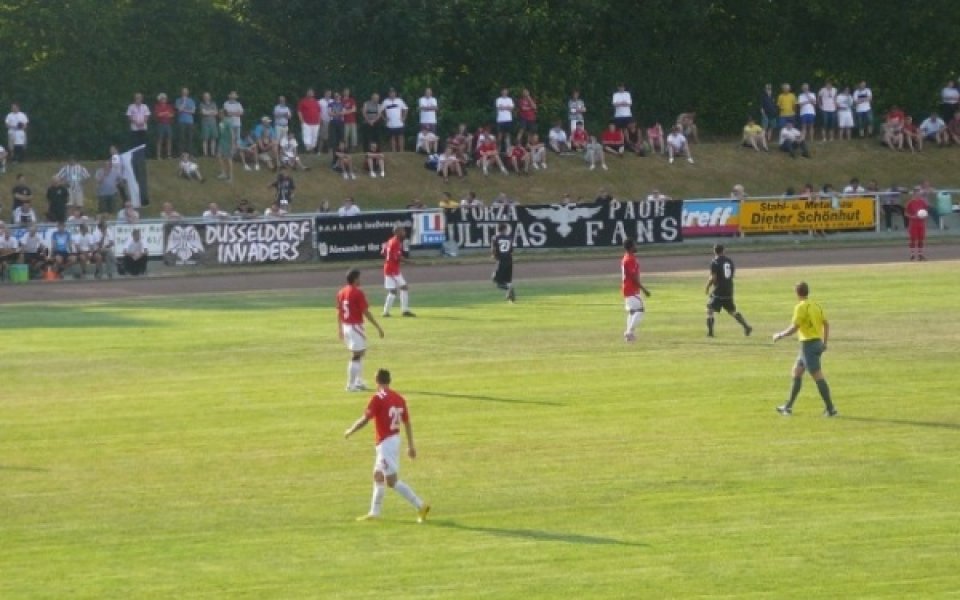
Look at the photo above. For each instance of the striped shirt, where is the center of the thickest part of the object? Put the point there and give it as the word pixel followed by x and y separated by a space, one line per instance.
pixel 74 175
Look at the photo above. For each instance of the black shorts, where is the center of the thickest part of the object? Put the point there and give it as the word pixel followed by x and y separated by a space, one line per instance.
pixel 505 127
pixel 716 304
pixel 504 273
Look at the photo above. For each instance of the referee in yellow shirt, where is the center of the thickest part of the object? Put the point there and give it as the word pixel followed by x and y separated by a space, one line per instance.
pixel 812 329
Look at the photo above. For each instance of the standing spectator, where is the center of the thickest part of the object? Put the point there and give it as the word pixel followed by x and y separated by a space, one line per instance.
pixel 854 187
pixel 622 106
pixel 343 162
pixel 135 255
pixel 593 153
pixel 284 188
pixel 20 143
pixel 504 109
pixel 372 120
pixel 845 113
pixel 128 215
pixel 949 100
pixel 16 121
pixel 24 214
pixel 308 111
pixel 827 102
pixel 527 113
pixel 862 99
pixel 428 111
pixel 890 202
pixel 164 114
pixel 753 136
pixel 57 198
pixel 106 189
pixel 538 152
pixel 934 129
pixel 324 143
pixel 769 113
pixel 225 150
pixel 786 105
pixel 137 115
pixel 274 211
pixel 576 110
pixel 613 140
pixel 186 109
pixel 807 105
pixel 375 161
pixel 557 138
pixel 234 114
pixel 677 145
pixel 394 111
pixel 350 119
pixel 281 117
pixel 335 125
pixel 792 141
pixel 75 175
pixel 208 124
pixel 21 191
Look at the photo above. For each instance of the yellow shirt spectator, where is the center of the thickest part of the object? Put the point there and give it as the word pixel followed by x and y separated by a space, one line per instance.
pixel 808 318
pixel 787 103
pixel 750 130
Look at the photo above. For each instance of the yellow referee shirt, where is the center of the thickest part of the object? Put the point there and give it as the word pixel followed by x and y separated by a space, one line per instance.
pixel 808 317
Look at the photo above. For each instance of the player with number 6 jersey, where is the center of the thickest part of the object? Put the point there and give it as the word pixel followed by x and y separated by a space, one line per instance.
pixel 388 411
pixel 720 288
pixel 352 308
pixel 631 287
pixel 502 250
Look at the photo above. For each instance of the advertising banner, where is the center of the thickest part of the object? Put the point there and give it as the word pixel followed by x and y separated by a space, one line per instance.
pixel 358 237
pixel 240 242
pixel 711 217
pixel 774 215
pixel 568 225
pixel 429 229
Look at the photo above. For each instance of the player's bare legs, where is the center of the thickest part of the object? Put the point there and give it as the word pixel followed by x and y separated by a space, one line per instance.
pixel 355 372
pixel 634 317
pixel 405 301
pixel 388 303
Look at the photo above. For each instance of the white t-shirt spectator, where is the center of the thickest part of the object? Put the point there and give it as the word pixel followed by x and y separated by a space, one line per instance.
pixel 861 99
pixel 790 134
pixel 677 140
pixel 932 126
pixel 504 105
pixel 424 138
pixel 428 110
pixel 850 189
pixel 23 215
pixel 557 136
pixel 808 103
pixel 135 248
pixel 234 111
pixel 15 118
pixel 101 241
pixel 393 109
pixel 621 105
pixel 216 215
pixel 84 242
pixel 949 95
pixel 348 211
pixel 828 99
pixel 10 243
pixel 288 147
pixel 138 115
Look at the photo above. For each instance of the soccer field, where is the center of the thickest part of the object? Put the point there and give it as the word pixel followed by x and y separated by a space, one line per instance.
pixel 192 447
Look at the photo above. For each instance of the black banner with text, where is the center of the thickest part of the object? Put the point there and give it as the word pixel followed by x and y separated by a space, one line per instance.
pixel 239 242
pixel 360 236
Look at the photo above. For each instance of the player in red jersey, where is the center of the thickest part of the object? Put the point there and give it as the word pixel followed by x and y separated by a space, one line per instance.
pixel 352 307
pixel 918 225
pixel 392 278
pixel 387 409
pixel 631 288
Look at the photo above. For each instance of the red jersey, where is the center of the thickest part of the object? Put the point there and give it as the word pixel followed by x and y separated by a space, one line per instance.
pixel 913 206
pixel 527 109
pixel 518 152
pixel 579 136
pixel 387 409
pixel 163 112
pixel 309 110
pixel 351 305
pixel 349 103
pixel 488 147
pixel 392 251
pixel 630 271
pixel 612 137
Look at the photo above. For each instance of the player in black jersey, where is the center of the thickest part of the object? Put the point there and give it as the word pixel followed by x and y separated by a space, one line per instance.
pixel 502 248
pixel 721 295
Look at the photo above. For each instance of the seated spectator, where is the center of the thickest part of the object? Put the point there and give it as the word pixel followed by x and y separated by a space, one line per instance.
pixel 893 129
pixel 557 138
pixel 613 140
pixel 753 136
pixel 266 151
pixel 791 141
pixel 427 141
pixel 284 188
pixel 677 145
pixel 593 153
pixel 911 135
pixel 135 255
pixel 579 138
pixel 62 253
pixel 688 126
pixel 633 139
pixel 34 252
pixel 324 206
pixel 488 154
pixel 342 161
pixel 890 202
pixel 656 139
pixel 503 200
pixel 189 169
pixel 83 243
pixel 935 130
pixel 471 201
pixel 246 150
pixel 128 215
pixel 538 152
pixel 24 214
pixel 417 204
pixel 656 195
pixel 376 161
pixel 77 217
pixel 447 201
pixel 9 251
pixel 449 163
pixel 519 159
pixel 738 192
pixel 214 214
pixel 245 210
pixel 103 251
pixel 348 208
pixel 953 129
pixel 853 187
pixel 289 153
pixel 464 142
pixel 275 211
pixel 167 213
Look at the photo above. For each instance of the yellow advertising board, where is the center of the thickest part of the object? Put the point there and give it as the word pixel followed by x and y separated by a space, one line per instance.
pixel 774 215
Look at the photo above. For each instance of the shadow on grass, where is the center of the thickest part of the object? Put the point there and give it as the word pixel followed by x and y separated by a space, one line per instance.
pixel 24 469
pixel 536 534
pixel 481 398
pixel 66 317
pixel 932 424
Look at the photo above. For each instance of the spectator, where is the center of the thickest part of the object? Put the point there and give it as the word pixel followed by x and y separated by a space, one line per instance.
pixel 527 116
pixel 74 174
pixel 603 197
pixel 893 129
pixel 62 253
pixel 891 204
pixel 233 111
pixel 19 143
pixel 9 251
pixel 343 162
pixel 349 208
pixel 447 200
pixel 275 211
pixel 845 113
pixel 308 111
pixel 827 103
pixel 463 143
pixel 266 151
pixel 471 201
pixel 24 214
pixel 323 141
pixel 557 137
pixel 394 115
pixel 593 153
pixel 214 214
pixel 323 207
pixel 769 113
pixel 953 129
pixel 622 106
pixel 289 154
pixel 791 141
pixel 128 215
pixel 247 149
pixel 284 188
pixel 449 162
pixel 862 99
pixel 57 198
pixel 738 192
pixel 633 139
pixel 488 154
pixel 428 113
pixel 807 105
pixel 854 187
pixel 167 213
pixel 349 104
pixel 21 191
pixel 208 125
pixel 538 152
pixel 753 136
pixel 688 126
pixel 375 161
pixel 83 244
pixel 911 134
pixel 77 218
pixel 613 140
pixel 137 115
pixel 226 148
pixel 519 158
pixel 579 138
pixel 427 141
pixel 504 110
pixel 656 138
pixel 17 123
pixel 656 195
pixel 188 168
pixel 135 255
pixel 244 209
pixel 186 109
pixel 281 118
pixel 576 110
pixel 335 125
pixel 372 120
pixel 677 145
pixel 786 105
pixel 949 100
pixel 934 129
pixel 3 160
pixel 103 251
pixel 34 252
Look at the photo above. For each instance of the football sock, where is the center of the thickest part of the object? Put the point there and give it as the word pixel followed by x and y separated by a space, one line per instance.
pixel 376 502
pixel 404 300
pixel 710 321
pixel 633 321
pixel 388 304
pixel 405 491
pixel 794 391
pixel 741 320
pixel 354 369
pixel 825 393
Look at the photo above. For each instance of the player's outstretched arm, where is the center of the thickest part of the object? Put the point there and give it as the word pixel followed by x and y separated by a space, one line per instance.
pixel 785 333
pixel 411 449
pixel 373 322
pixel 358 425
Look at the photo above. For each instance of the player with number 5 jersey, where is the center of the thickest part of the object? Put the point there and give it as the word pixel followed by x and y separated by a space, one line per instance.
pixel 388 411
pixel 352 308
pixel 631 287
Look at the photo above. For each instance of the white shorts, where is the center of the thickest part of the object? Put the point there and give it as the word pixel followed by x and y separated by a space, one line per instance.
pixel 392 282
pixel 354 337
pixel 633 303
pixel 310 136
pixel 388 456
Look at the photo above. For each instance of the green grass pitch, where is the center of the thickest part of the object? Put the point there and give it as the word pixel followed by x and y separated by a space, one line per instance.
pixel 192 447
